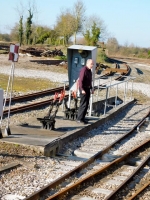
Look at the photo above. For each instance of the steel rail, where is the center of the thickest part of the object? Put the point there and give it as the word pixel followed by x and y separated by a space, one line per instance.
pixel 119 78
pixel 29 106
pixel 139 191
pixel 37 94
pixel 45 92
pixel 112 195
pixel 97 172
pixel 33 95
pixel 36 195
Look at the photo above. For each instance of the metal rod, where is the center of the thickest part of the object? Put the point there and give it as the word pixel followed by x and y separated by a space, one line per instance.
pixel 69 100
pixel 91 100
pixel 106 101
pixel 11 88
pixel 98 88
pixel 116 95
pixel 8 85
pixel 124 92
pixel 127 87
pixel 109 86
pixel 132 90
pixel 120 82
pixel 63 99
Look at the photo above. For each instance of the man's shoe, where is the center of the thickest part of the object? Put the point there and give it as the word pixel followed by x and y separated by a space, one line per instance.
pixel 85 121
pixel 80 121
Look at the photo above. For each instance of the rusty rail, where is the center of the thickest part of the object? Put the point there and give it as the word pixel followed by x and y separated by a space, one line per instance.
pixel 37 195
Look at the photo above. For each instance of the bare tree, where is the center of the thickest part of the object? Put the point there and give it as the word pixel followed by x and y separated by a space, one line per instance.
pixel 65 26
pixel 78 13
pixel 112 45
pixel 28 27
pixel 14 33
pixel 22 10
pixel 21 30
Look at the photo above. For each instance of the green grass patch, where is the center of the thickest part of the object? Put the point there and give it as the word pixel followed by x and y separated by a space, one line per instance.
pixel 102 57
pixel 61 58
pixel 3 51
pixel 21 84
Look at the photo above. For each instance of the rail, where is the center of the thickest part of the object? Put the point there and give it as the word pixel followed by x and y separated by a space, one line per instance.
pixel 36 195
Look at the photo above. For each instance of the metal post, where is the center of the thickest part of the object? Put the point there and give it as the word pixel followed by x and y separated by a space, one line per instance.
pixel 8 85
pixel 106 101
pixel 98 88
pixel 127 87
pixel 69 100
pixel 11 88
pixel 124 92
pixel 91 100
pixel 116 95
pixel 63 99
pixel 110 86
pixel 132 89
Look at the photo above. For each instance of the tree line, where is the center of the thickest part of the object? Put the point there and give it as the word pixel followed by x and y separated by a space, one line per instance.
pixel 69 23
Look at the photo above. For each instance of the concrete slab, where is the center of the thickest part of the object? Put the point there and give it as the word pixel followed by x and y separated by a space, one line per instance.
pixel 120 178
pixel 12 196
pixel 93 148
pixel 32 134
pixel 76 197
pixel 74 158
pixel 125 173
pixel 83 154
pixel 49 142
pixel 101 191
pixel 113 182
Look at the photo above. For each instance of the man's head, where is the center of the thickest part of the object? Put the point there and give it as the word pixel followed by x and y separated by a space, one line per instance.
pixel 89 63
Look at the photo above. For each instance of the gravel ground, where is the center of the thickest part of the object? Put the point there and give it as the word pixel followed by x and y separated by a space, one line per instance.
pixel 25 68
pixel 32 73
pixel 36 172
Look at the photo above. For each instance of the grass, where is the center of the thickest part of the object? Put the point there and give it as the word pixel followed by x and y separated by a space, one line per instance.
pixel 27 84
pixel 3 52
pixel 101 56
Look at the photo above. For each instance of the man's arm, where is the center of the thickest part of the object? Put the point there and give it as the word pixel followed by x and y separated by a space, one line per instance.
pixel 81 77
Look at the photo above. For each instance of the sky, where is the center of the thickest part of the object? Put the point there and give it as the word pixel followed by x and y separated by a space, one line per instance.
pixel 126 20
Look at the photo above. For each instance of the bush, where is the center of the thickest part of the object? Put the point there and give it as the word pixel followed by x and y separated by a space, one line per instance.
pixel 101 56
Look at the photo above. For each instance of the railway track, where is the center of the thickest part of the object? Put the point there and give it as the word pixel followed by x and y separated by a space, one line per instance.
pixel 40 94
pixel 106 182
pixel 37 102
pixel 61 166
pixel 94 166
pixel 50 175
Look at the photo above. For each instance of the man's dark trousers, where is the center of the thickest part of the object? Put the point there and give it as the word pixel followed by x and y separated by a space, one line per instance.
pixel 84 102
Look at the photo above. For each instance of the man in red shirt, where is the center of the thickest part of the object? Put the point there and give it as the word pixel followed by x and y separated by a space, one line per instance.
pixel 85 86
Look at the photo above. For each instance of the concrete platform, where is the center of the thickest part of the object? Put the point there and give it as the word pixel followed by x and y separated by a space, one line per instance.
pixel 49 142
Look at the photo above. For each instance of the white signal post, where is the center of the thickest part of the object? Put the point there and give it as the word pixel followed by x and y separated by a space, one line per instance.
pixel 13 57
